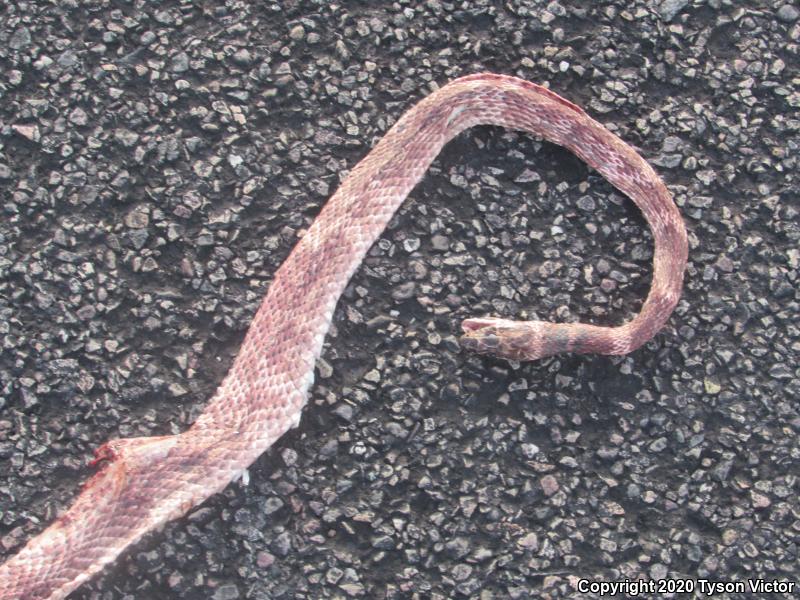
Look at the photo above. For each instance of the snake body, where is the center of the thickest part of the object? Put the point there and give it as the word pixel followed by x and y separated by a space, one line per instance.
pixel 142 483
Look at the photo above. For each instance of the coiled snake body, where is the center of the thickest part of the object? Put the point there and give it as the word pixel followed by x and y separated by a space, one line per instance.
pixel 144 482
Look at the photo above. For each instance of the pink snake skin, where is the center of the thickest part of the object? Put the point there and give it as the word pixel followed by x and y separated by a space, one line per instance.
pixel 142 483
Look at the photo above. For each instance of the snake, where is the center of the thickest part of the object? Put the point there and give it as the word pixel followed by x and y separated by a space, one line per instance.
pixel 141 483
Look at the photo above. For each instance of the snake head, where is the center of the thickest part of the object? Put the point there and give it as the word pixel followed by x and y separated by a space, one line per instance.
pixel 514 340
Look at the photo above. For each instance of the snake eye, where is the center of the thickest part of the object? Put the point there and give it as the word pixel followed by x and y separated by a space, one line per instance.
pixel 480 343
pixel 490 341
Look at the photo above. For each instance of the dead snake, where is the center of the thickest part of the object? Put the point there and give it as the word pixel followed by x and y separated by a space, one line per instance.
pixel 144 482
